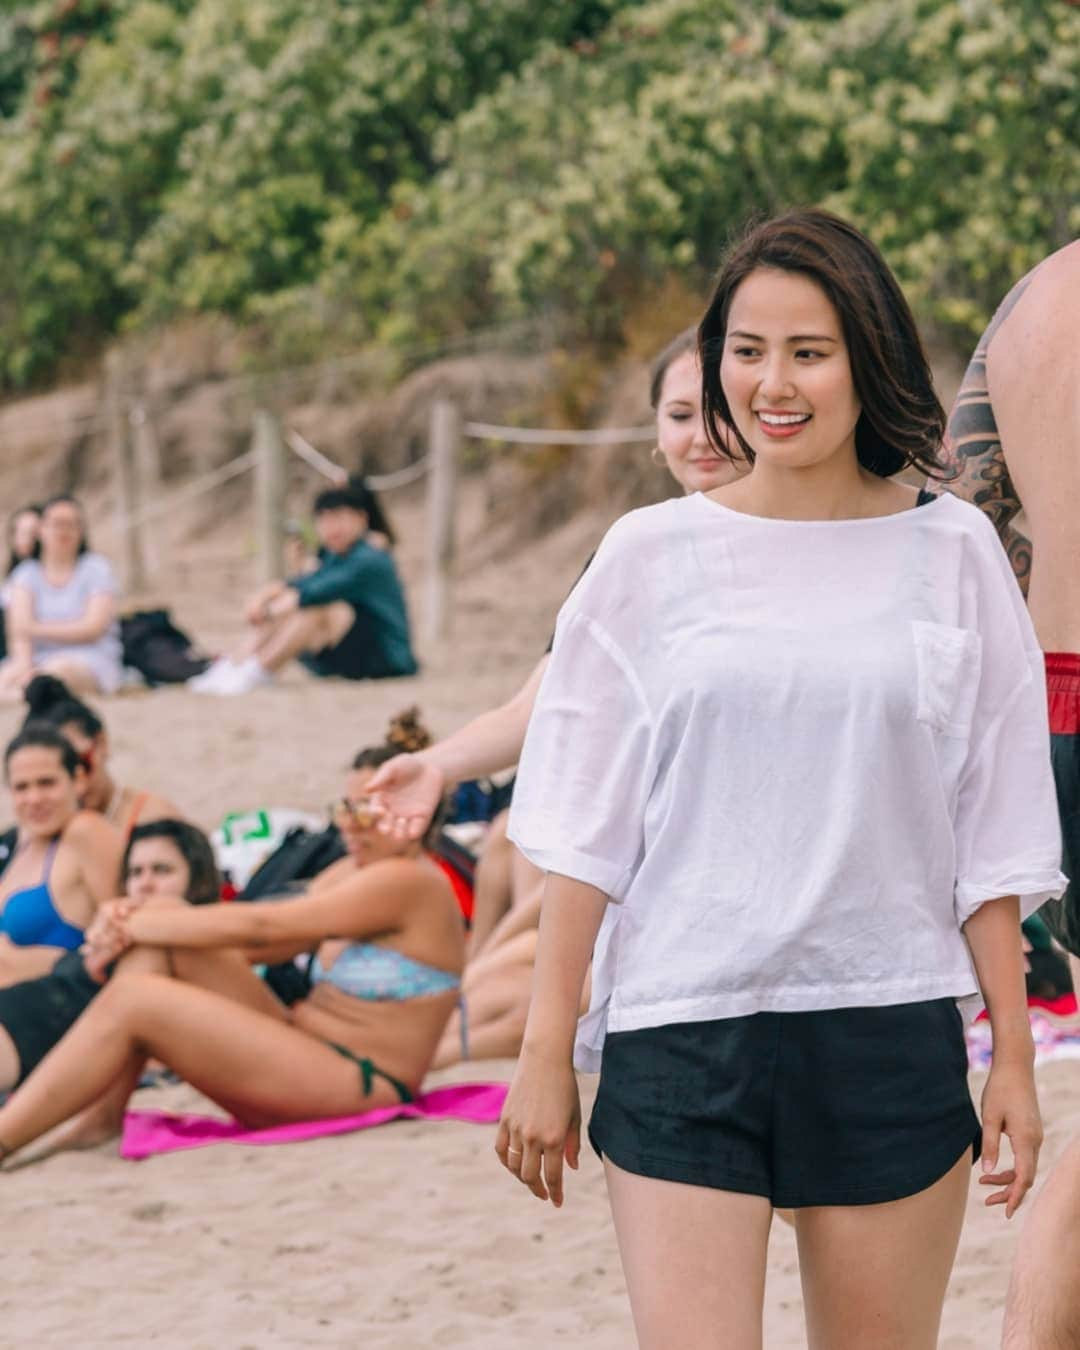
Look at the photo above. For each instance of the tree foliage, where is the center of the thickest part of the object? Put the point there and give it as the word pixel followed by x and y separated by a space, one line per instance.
pixel 416 167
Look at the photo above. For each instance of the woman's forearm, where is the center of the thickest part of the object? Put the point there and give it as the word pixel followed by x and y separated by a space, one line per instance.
pixel 993 935
pixel 70 630
pixel 200 926
pixel 570 919
pixel 491 742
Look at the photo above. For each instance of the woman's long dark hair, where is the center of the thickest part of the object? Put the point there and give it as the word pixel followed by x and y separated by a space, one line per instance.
pixel 357 496
pixel 204 879
pixel 13 562
pixel 902 421
pixel 45 736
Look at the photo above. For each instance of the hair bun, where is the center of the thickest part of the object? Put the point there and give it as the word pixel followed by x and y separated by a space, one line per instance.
pixel 45 692
pixel 407 733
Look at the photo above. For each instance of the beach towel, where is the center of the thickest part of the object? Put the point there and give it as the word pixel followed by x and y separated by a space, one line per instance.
pixel 150 1132
pixel 1055 1029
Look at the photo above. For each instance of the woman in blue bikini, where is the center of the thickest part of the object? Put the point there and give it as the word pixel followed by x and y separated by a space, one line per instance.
pixel 389 948
pixel 66 863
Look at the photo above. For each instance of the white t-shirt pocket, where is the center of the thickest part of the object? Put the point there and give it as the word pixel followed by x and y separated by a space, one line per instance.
pixel 948 661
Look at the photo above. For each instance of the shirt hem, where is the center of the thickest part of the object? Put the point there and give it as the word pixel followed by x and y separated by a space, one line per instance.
pixel 958 985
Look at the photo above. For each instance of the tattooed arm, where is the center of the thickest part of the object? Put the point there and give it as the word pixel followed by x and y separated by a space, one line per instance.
pixel 973 454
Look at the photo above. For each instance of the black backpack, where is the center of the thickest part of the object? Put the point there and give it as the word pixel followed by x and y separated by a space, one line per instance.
pixel 300 856
pixel 158 650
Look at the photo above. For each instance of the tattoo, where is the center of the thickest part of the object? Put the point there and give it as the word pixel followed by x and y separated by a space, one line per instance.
pixel 972 451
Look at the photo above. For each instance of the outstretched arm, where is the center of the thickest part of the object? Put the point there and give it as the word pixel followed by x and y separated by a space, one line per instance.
pixel 410 787
pixel 374 900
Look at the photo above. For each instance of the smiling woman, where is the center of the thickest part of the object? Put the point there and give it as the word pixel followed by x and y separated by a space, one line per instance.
pixel 770 739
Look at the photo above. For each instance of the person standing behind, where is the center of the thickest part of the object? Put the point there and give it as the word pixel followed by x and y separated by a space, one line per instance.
pixel 347 617
pixel 61 610
pixel 1012 445
pixel 771 733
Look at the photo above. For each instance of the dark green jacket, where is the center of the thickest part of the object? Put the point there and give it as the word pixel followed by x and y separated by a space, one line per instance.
pixel 367 579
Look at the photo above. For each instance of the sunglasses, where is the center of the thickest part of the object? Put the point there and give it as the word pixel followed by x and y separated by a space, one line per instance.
pixel 362 813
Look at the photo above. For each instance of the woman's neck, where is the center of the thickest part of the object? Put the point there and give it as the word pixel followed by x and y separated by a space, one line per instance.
pixel 102 795
pixel 59 564
pixel 828 491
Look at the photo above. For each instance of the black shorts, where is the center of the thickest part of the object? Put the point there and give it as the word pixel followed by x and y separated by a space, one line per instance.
pixel 852 1106
pixel 1062 916
pixel 38 1013
pixel 356 657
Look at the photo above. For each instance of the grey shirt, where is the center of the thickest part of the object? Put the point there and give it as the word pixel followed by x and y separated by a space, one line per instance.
pixel 93 575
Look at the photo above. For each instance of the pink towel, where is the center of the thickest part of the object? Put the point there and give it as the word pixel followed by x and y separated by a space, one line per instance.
pixel 150 1132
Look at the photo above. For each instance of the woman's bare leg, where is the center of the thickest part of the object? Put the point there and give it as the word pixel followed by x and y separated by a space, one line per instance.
pixel 694 1260
pixel 305 630
pixel 260 1069
pixel 877 1274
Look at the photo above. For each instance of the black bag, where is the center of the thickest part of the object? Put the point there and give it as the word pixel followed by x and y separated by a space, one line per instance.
pixel 300 856
pixel 158 650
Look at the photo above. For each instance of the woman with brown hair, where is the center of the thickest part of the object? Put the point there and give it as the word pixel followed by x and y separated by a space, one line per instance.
pixel 793 728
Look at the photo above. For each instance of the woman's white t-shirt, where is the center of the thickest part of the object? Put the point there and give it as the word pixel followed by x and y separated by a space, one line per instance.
pixel 798 754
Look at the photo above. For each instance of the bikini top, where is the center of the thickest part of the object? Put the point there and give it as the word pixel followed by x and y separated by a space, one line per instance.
pixel 368 971
pixel 30 918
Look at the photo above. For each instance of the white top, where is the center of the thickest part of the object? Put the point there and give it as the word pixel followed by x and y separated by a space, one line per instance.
pixel 92 575
pixel 798 754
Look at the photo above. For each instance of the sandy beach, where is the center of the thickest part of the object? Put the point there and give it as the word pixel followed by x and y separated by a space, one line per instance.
pixel 408 1235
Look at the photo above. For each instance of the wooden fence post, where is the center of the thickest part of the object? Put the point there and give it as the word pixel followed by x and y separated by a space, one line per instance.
pixel 132 561
pixel 270 493
pixel 147 459
pixel 444 452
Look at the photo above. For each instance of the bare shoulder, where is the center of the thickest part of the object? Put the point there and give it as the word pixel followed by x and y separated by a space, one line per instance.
pixel 154 807
pixel 89 829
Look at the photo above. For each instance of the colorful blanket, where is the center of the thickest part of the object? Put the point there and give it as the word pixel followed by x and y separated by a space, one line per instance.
pixel 150 1132
pixel 1055 1027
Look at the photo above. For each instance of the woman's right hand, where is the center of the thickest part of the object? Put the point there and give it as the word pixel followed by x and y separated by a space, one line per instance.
pixel 106 938
pixel 540 1126
pixel 409 789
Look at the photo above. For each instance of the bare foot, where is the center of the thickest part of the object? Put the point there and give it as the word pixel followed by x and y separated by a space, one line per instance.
pixel 92 1127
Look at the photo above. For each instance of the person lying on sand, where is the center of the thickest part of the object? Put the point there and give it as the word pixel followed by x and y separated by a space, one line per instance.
pixel 389 950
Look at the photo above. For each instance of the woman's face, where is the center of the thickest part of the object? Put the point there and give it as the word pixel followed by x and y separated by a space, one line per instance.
pixel 45 796
pixel 61 530
pixel 786 373
pixel 358 824
pixel 156 870
pixel 680 431
pixel 24 533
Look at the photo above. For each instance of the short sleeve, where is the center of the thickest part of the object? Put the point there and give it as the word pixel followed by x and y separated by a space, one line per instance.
pixel 1008 837
pixel 98 575
pixel 584 776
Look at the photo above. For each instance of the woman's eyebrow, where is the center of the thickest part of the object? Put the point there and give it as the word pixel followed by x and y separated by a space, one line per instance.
pixel 799 337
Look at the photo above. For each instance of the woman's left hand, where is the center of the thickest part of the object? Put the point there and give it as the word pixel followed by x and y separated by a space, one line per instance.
pixel 1010 1106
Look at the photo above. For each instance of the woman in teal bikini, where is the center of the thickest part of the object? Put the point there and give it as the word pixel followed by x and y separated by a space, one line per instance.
pixel 389 950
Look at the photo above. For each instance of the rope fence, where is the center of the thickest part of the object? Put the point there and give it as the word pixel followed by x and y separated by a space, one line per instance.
pixel 137 462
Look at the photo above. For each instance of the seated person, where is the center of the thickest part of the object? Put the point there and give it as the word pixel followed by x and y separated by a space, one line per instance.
pixel 389 949
pixel 67 861
pixel 165 859
pixel 61 610
pixel 347 617
pixel 49 700
pixel 22 544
